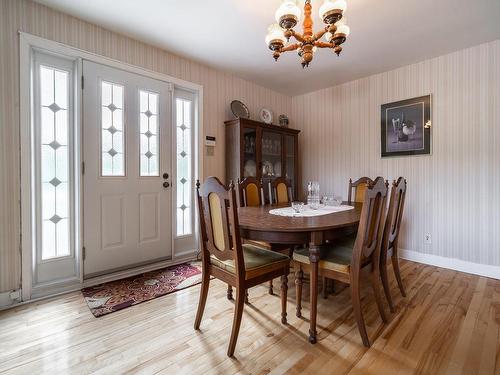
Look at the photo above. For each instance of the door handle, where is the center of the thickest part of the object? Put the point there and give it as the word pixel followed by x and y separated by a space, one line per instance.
pixel 166 184
pixel 165 175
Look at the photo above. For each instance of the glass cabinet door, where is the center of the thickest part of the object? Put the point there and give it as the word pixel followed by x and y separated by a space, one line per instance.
pixel 271 155
pixel 249 152
pixel 290 161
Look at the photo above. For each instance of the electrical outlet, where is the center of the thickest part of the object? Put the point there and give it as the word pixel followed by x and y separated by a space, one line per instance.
pixel 428 239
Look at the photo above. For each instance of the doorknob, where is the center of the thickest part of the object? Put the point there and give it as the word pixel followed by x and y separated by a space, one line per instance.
pixel 165 175
pixel 166 184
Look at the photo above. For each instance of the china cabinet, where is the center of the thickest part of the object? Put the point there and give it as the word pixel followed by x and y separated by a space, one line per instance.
pixel 256 149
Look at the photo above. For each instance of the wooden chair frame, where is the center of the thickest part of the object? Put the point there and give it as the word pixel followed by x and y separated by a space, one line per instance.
pixel 273 189
pixel 366 251
pixel 355 185
pixel 243 188
pixel 231 248
pixel 390 239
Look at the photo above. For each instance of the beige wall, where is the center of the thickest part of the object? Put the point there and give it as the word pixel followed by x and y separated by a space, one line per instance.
pixel 452 194
pixel 219 89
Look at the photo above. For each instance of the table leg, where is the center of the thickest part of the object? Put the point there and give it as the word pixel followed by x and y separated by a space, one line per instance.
pixel 314 259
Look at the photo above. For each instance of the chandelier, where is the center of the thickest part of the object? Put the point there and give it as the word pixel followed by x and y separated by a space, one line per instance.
pixel 288 14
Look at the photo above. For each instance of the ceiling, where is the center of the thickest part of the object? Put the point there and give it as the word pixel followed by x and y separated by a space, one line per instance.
pixel 229 34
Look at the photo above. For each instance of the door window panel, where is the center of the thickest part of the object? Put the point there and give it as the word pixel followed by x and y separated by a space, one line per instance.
pixel 149 140
pixel 184 167
pixel 54 162
pixel 112 162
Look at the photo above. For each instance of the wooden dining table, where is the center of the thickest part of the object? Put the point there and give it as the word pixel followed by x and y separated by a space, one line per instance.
pixel 256 223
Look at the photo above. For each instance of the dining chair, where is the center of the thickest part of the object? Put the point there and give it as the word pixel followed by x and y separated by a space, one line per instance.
pixel 251 194
pixel 389 248
pixel 280 190
pixel 343 259
pixel 226 258
pixel 359 186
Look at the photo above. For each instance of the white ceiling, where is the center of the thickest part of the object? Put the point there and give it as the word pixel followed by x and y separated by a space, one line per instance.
pixel 229 34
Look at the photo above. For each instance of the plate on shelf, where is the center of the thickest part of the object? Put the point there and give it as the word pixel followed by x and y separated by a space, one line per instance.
pixel 267 168
pixel 239 109
pixel 266 115
pixel 250 169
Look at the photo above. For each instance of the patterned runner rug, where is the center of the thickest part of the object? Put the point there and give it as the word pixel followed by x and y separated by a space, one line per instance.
pixel 109 297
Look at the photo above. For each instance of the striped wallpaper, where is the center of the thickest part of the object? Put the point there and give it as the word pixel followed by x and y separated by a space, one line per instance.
pixel 452 194
pixel 219 89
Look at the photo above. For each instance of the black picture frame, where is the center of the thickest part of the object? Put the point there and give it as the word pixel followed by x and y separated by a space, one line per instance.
pixel 406 127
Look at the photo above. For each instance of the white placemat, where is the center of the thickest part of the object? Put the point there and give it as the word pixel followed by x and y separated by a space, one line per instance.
pixel 309 212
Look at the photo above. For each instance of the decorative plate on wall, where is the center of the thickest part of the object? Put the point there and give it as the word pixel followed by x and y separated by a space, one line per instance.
pixel 266 115
pixel 239 109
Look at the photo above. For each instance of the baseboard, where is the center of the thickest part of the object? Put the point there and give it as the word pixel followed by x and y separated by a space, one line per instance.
pixel 451 263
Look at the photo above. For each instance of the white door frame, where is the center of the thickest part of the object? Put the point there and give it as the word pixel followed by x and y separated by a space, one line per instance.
pixel 28 42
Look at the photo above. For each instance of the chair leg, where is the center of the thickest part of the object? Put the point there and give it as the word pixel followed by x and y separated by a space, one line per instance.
pixel 385 284
pixel 397 272
pixel 238 312
pixel 299 275
pixel 271 292
pixel 284 292
pixel 358 313
pixel 205 282
pixel 229 292
pixel 325 287
pixel 376 291
pixel 246 297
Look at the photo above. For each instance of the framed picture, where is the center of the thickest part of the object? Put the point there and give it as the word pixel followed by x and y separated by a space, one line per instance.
pixel 406 127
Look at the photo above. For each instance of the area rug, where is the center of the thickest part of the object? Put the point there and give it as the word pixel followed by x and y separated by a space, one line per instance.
pixel 116 295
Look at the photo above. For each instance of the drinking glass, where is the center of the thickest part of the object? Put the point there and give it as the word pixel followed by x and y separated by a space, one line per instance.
pixel 337 200
pixel 297 206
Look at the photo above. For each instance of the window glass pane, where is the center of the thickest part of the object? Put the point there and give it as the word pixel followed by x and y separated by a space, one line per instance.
pixel 112 161
pixel 54 163
pixel 148 141
pixel 184 165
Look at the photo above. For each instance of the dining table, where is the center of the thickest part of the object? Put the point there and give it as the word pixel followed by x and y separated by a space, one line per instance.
pixel 258 224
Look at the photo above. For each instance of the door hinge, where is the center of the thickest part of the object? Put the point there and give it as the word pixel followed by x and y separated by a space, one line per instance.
pixel 83 167
pixel 83 253
pixel 82 82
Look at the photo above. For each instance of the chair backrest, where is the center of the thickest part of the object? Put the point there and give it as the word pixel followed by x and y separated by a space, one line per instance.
pixel 359 187
pixel 218 213
pixel 280 190
pixel 250 192
pixel 371 223
pixel 394 213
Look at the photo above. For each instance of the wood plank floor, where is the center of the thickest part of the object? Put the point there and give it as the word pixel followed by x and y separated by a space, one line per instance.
pixel 448 324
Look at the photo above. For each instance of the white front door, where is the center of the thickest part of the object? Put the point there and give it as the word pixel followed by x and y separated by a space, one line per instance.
pixel 127 153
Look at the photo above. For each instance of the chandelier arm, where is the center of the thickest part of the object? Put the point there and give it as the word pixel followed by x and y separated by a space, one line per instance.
pixel 323 44
pixel 297 36
pixel 290 47
pixel 320 33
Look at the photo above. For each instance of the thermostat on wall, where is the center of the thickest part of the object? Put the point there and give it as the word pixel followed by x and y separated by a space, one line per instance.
pixel 209 141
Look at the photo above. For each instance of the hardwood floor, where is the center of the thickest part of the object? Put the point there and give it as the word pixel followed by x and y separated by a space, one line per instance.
pixel 448 324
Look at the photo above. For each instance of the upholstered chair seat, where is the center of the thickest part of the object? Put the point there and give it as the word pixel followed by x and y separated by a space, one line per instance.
pixel 256 259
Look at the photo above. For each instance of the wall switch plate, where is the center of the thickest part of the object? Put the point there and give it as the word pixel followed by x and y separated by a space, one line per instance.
pixel 427 239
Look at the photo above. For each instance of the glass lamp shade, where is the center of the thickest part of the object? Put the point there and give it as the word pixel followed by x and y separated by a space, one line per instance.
pixel 275 35
pixel 343 29
pixel 288 14
pixel 330 5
